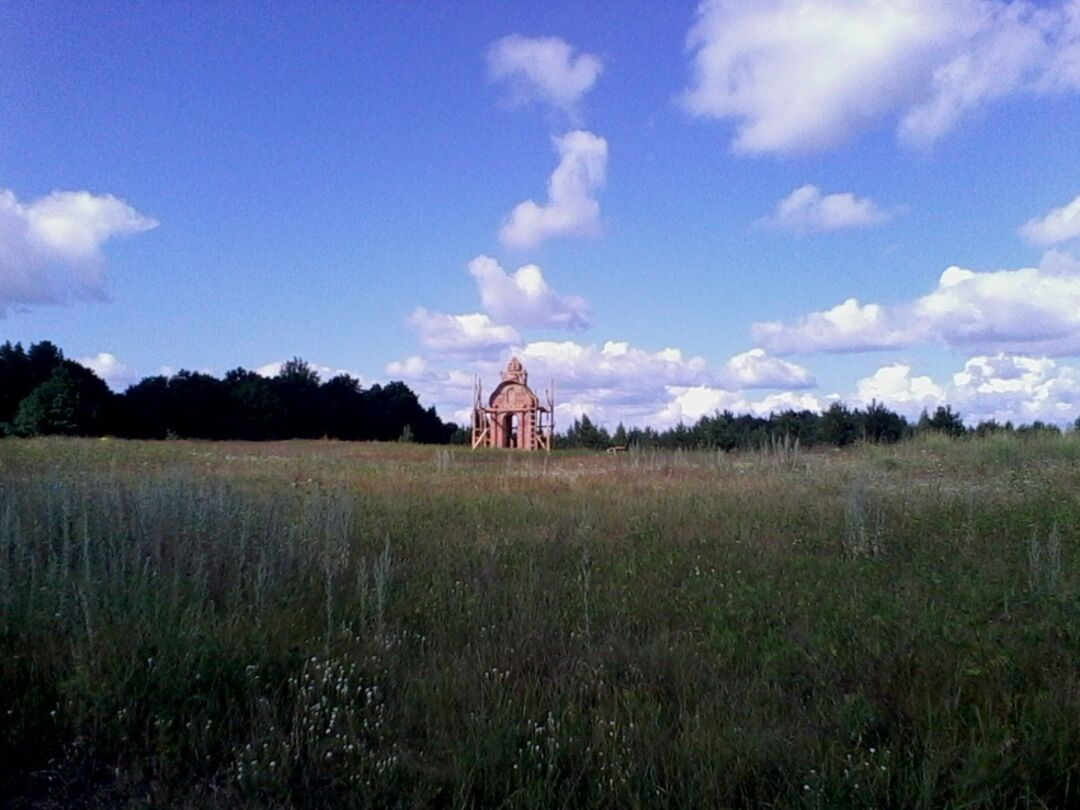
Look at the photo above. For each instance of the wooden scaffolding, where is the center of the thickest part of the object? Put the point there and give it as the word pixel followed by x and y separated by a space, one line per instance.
pixel 513 418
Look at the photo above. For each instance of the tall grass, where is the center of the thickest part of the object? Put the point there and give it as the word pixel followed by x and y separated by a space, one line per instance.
pixel 315 623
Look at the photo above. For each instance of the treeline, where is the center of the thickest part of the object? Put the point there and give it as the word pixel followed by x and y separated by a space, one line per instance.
pixel 44 393
pixel 837 426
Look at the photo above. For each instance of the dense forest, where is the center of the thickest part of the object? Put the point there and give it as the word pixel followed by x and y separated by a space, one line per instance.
pixel 836 426
pixel 44 393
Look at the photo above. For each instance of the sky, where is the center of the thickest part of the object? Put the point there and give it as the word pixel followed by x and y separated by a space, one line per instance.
pixel 668 209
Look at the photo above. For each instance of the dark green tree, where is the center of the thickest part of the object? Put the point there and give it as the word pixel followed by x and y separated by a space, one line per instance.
pixel 591 436
pixel 256 409
pixel 297 388
pixel 838 425
pixel 881 425
pixel 618 438
pixel 1038 428
pixel 584 433
pixel 343 407
pixel 50 409
pixel 717 431
pixel 146 409
pixel 42 359
pixel 199 406
pixel 802 425
pixel 15 381
pixel 944 420
pixel 73 401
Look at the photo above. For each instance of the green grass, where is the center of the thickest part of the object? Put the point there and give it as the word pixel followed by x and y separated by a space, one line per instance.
pixel 328 624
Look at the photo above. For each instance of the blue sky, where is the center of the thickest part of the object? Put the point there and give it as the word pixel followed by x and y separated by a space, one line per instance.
pixel 208 185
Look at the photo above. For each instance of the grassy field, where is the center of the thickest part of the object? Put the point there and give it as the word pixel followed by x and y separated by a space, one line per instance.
pixel 330 624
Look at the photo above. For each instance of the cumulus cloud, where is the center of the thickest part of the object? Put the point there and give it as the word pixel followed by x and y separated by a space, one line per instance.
pixel 847 327
pixel 543 69
pixel 50 248
pixel 895 385
pixel 1006 51
pixel 1026 310
pixel 1060 225
pixel 523 298
pixel 615 364
pixel 107 366
pixel 1018 388
pixel 804 75
pixel 411 368
pixel 460 334
pixel 756 369
pixel 570 210
pixel 1010 310
pixel 1003 387
pixel 807 210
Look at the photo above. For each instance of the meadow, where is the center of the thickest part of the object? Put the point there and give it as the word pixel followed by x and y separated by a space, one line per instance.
pixel 315 624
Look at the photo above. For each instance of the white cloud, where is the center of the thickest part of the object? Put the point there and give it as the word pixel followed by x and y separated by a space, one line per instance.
pixel 806 210
pixel 1060 225
pixel 543 69
pixel 1004 50
pixel 110 369
pixel 756 369
pixel 785 401
pixel 804 75
pixel 847 327
pixel 690 403
pixel 1018 388
pixel 1003 387
pixel 411 368
pixel 1057 262
pixel 570 210
pixel 50 248
pixel 1013 310
pixel 1064 74
pixel 460 334
pixel 895 386
pixel 523 298
pixel 1026 310
pixel 615 366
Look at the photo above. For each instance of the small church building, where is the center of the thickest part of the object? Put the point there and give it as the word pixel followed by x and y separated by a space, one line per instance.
pixel 513 417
